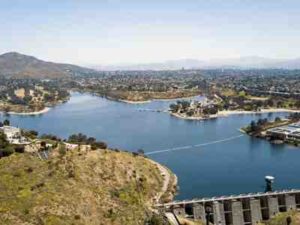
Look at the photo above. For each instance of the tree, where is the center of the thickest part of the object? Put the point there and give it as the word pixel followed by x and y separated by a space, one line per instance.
pixel 253 126
pixel 33 133
pixel 277 119
pixel 294 116
pixel 3 141
pixel 174 108
pixel 156 220
pixel 62 150
pixel 141 152
pixel 7 151
pixel 48 97
pixel 91 140
pixel 270 102
pixel 190 113
pixel 98 145
pixel 20 148
pixel 43 146
pixel 101 145
pixel 279 104
pixel 6 122
pixel 210 110
pixel 5 148
pixel 50 137
pixel 27 98
pixel 288 220
pixel 242 94
pixel 185 104
pixel 297 104
pixel 78 138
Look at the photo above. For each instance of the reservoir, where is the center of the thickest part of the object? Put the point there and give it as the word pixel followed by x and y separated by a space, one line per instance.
pixel 210 158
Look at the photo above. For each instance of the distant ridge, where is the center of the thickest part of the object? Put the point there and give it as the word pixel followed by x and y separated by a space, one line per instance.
pixel 14 64
pixel 249 62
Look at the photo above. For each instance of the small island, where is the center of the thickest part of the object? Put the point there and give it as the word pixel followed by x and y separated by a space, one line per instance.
pixel 278 131
pixel 194 109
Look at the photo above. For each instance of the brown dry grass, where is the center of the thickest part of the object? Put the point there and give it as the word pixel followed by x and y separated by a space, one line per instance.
pixel 184 221
pixel 95 187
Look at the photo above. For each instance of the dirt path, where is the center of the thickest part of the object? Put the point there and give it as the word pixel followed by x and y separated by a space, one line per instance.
pixel 167 179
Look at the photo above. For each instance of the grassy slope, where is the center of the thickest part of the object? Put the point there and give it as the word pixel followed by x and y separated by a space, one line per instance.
pixel 98 187
pixel 280 219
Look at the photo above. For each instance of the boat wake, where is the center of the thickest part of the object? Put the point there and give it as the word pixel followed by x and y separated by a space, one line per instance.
pixel 193 146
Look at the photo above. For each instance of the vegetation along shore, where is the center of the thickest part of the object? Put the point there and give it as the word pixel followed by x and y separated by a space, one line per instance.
pixel 278 131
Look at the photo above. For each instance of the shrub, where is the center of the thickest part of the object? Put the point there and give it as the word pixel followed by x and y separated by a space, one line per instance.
pixel 62 150
pixel 20 148
pixel 156 220
pixel 6 122
pixel 7 151
pixel 77 217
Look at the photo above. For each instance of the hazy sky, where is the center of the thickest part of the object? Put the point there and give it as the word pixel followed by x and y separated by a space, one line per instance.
pixel 140 31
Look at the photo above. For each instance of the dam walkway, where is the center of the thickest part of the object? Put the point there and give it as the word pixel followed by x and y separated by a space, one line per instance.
pixel 244 209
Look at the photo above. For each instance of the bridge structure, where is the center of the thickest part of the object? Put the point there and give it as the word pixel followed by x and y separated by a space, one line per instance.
pixel 244 209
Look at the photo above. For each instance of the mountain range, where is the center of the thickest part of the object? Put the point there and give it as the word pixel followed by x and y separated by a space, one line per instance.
pixel 250 62
pixel 17 65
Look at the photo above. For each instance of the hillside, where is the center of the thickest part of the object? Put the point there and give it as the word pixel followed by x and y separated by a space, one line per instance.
pixel 281 219
pixel 13 64
pixel 95 187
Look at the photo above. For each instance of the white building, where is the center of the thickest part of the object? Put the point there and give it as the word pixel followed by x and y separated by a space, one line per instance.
pixel 13 135
pixel 70 146
pixel 289 132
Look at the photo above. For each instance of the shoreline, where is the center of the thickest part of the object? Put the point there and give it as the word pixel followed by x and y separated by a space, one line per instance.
pixel 273 140
pixel 151 100
pixel 167 174
pixel 271 110
pixel 178 98
pixel 45 110
pixel 226 113
pixel 134 102
pixel 192 117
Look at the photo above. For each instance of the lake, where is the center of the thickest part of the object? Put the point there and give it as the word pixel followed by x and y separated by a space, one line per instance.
pixel 210 157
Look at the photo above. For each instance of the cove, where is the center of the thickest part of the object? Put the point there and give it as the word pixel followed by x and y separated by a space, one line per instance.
pixel 205 165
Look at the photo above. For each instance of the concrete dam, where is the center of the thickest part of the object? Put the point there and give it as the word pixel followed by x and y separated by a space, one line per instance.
pixel 244 209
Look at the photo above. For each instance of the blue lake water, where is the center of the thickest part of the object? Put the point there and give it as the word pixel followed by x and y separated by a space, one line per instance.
pixel 223 163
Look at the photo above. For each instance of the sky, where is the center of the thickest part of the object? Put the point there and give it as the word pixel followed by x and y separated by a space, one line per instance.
pixel 105 32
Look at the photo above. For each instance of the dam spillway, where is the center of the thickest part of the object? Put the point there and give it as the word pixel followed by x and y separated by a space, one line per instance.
pixel 244 209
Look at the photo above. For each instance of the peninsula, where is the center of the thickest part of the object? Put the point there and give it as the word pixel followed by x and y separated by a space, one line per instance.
pixel 220 105
pixel 279 131
pixel 30 96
